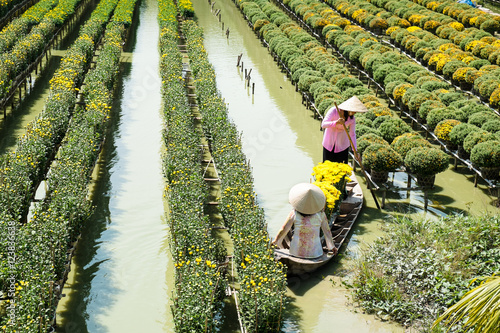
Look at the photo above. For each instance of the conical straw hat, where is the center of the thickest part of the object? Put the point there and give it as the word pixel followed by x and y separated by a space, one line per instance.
pixel 353 104
pixel 307 198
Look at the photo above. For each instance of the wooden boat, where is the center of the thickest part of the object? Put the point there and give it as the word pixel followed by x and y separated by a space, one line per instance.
pixel 340 226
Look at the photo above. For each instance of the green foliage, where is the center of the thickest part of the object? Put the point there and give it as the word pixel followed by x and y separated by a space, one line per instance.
pixel 381 157
pixel 486 154
pixel 406 142
pixel 440 114
pixel 367 140
pixel 426 161
pixel 479 118
pixel 414 272
pixel 473 138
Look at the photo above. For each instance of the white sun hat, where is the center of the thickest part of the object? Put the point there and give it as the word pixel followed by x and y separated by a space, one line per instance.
pixel 353 104
pixel 307 198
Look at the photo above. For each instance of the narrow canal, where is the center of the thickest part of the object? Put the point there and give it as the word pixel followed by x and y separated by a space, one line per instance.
pixel 120 280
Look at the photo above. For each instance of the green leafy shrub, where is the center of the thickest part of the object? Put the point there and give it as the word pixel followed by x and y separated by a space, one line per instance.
pixel 406 142
pixel 437 115
pixel 486 154
pixel 368 139
pixel 451 97
pixel 429 105
pixel 492 126
pixel 479 118
pixel 473 138
pixel 381 157
pixel 419 98
pixel 426 161
pixel 392 127
pixel 348 82
pixel 460 132
pixel 380 74
pixel 362 130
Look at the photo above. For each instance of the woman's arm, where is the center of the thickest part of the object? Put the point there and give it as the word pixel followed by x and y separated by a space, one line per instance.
pixel 285 228
pixel 331 118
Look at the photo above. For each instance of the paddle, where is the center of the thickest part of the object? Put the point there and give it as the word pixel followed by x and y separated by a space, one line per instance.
pixel 368 182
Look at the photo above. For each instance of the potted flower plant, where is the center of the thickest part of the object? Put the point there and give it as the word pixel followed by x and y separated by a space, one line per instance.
pixel 425 163
pixel 443 129
pixel 406 142
pixel 381 159
pixel 486 155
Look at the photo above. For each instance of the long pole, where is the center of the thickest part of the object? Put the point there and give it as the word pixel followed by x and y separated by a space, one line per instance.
pixel 368 181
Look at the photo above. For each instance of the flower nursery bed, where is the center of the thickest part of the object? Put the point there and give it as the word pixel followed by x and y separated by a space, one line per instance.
pixel 262 280
pixel 32 276
pixel 11 9
pixel 28 41
pixel 199 275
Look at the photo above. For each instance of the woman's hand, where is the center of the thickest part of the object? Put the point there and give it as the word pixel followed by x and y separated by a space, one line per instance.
pixel 341 121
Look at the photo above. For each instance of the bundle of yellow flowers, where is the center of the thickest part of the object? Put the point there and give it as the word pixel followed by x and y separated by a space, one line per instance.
pixel 457 26
pixel 400 90
pixel 459 74
pixel 332 172
pixel 331 178
pixel 332 195
pixel 357 13
pixel 391 30
pixel 495 97
pixel 415 20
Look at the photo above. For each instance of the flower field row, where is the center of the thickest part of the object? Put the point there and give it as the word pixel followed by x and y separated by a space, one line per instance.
pixel 20 26
pixel 25 167
pixel 386 66
pixel 34 264
pixel 7 5
pixel 200 284
pixel 29 47
pixel 262 280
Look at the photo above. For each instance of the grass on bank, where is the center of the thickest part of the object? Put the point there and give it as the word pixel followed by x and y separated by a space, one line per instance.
pixel 421 267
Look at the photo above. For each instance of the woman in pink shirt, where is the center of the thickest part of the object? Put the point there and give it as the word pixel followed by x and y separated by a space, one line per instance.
pixel 335 140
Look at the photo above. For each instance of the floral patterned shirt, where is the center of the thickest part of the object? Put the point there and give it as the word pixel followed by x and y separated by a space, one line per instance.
pixel 306 242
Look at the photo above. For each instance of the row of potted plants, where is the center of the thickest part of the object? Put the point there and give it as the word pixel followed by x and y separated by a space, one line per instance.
pixel 7 5
pixel 29 47
pixel 445 57
pixel 56 220
pixel 390 128
pixel 197 300
pixel 464 13
pixel 23 168
pixel 262 280
pixel 428 97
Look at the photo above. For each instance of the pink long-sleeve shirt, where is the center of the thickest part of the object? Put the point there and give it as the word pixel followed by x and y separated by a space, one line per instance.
pixel 335 134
